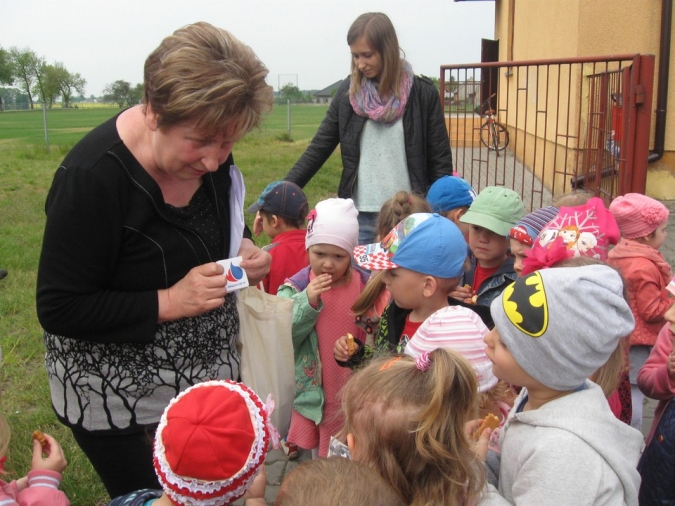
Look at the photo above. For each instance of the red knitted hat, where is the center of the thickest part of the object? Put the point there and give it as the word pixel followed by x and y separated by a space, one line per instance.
pixel 638 215
pixel 210 443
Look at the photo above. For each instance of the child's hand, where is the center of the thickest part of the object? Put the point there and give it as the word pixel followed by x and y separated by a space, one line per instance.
pixel 481 445
pixel 461 293
pixel 54 460
pixel 317 286
pixel 256 492
pixel 257 224
pixel 341 350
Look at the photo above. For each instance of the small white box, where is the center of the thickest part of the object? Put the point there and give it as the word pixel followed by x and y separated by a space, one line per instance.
pixel 236 276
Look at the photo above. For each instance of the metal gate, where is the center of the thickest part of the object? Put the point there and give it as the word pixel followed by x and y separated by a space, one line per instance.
pixel 548 127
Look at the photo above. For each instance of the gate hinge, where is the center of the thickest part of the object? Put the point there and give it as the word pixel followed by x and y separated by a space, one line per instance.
pixel 639 93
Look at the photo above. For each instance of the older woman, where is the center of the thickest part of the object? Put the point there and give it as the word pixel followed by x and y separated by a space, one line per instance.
pixel 132 302
pixel 388 123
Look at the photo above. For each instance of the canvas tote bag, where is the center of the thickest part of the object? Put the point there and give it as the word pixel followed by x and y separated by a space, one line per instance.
pixel 266 350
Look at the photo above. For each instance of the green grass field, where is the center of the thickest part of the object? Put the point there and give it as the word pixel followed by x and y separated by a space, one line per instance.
pixel 26 172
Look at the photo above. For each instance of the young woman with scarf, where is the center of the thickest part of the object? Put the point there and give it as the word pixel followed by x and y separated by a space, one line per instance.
pixel 388 122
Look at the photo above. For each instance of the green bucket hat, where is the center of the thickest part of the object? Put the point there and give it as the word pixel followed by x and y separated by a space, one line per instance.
pixel 496 208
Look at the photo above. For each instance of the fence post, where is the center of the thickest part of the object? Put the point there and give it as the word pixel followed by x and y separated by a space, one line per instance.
pixel 642 85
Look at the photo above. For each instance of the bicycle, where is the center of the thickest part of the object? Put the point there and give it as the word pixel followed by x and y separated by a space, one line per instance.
pixel 493 134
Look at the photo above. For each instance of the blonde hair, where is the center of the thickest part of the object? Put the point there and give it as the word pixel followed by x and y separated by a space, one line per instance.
pixel 381 36
pixel 573 198
pixel 392 212
pixel 397 209
pixel 501 392
pixel 335 481
pixel 202 73
pixel 408 425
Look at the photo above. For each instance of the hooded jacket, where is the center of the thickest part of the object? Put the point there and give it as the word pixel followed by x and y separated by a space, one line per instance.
pixel 427 146
pixel 647 274
pixel 570 451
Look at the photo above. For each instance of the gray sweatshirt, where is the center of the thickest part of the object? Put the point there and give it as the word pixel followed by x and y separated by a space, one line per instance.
pixel 571 451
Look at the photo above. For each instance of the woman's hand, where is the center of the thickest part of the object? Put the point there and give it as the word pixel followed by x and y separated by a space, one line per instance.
pixel 201 290
pixel 316 287
pixel 255 261
pixel 54 459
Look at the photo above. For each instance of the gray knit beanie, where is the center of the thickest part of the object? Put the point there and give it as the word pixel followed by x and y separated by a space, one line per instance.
pixel 562 324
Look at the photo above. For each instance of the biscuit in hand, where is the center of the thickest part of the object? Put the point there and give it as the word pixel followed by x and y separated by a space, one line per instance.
pixel 490 421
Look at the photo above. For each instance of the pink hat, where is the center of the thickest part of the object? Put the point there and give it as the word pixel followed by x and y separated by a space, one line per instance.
pixel 335 222
pixel 638 215
pixel 211 442
pixel 585 231
pixel 458 329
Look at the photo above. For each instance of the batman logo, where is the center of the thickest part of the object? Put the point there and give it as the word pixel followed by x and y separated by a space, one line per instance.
pixel 525 304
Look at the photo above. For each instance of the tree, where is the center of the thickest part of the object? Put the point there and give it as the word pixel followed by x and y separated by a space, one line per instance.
pixel 119 92
pixel 27 68
pixel 290 91
pixel 12 97
pixel 136 94
pixel 70 83
pixel 6 70
pixel 51 83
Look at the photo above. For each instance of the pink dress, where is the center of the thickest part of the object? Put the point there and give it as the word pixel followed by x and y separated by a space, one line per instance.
pixel 334 321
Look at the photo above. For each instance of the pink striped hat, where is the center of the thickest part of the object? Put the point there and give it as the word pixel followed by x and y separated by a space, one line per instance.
pixel 461 330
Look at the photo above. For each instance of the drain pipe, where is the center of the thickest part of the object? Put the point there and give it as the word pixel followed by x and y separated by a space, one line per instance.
pixel 662 92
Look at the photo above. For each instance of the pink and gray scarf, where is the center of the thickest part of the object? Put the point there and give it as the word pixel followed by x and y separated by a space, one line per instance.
pixel 367 102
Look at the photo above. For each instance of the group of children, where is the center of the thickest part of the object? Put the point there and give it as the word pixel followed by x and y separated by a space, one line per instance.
pixel 465 309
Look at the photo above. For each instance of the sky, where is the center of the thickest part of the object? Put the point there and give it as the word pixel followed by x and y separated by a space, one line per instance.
pixel 302 42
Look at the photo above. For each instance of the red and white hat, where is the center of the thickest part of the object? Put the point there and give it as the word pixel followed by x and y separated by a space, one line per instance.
pixel 211 442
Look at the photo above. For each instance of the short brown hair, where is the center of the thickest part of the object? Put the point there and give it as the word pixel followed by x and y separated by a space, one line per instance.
pixel 335 481
pixel 289 222
pixel 380 35
pixel 202 73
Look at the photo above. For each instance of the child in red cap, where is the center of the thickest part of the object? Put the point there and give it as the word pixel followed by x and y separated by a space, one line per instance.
pixel 210 446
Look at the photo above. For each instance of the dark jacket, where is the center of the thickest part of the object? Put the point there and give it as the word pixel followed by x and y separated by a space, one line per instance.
pixel 494 285
pixel 110 244
pixel 427 146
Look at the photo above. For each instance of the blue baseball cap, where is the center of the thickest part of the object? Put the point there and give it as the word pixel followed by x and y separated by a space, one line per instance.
pixel 423 242
pixel 284 199
pixel 450 192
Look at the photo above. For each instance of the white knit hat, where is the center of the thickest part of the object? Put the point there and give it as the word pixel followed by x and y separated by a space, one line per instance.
pixel 458 329
pixel 333 221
